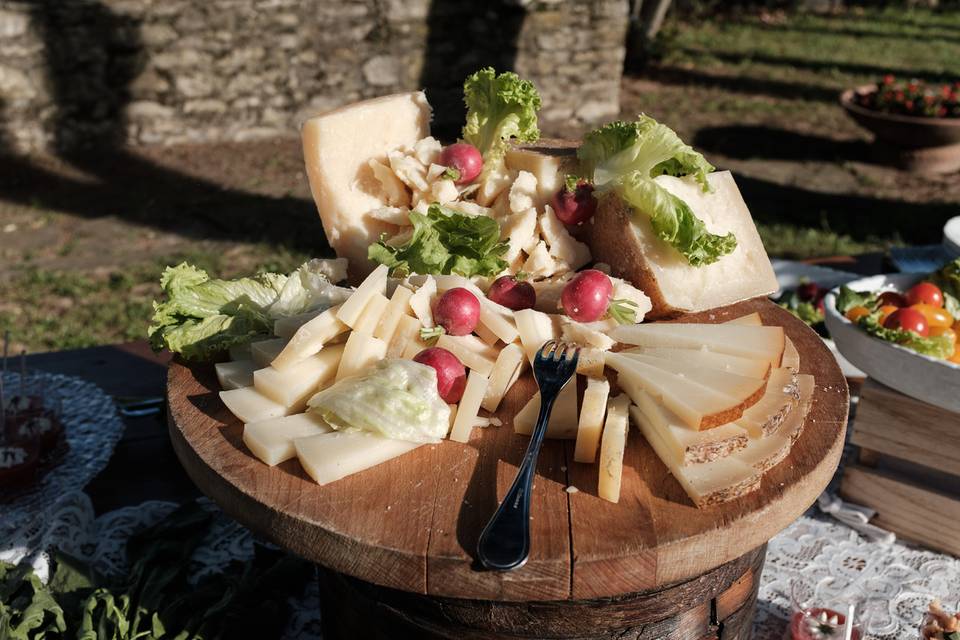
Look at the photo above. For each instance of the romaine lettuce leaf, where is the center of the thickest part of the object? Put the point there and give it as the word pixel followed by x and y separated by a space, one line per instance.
pixel 443 242
pixel 935 346
pixel 847 299
pixel 309 287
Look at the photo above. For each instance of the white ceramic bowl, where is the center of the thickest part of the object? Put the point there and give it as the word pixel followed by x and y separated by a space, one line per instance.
pixel 928 379
pixel 951 236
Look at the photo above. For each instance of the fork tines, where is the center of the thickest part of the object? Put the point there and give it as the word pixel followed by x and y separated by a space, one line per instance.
pixel 557 351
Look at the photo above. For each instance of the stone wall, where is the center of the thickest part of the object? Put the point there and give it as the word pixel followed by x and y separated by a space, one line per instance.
pixel 75 73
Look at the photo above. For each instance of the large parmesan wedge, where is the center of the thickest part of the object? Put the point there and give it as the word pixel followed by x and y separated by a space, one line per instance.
pixel 375 283
pixel 360 353
pixel 535 328
pixel 236 374
pixel 769 412
pixel 698 406
pixel 709 359
pixel 707 483
pixel 272 440
pixel 686 445
pixel 331 456
pixel 293 386
pixel 310 338
pixel 263 352
pixel 592 412
pixel 765 343
pixel 337 149
pixel 563 419
pixel 469 406
pixel 624 239
pixel 510 359
pixel 612 446
pixel 249 405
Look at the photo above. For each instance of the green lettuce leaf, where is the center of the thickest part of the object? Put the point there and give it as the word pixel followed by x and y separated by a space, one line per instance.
pixel 952 305
pixel 848 299
pixel 308 288
pixel 444 242
pixel 934 346
pixel 948 278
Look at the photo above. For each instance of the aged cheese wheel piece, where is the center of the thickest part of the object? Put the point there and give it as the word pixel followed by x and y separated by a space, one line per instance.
pixel 236 374
pixel 337 149
pixel 272 440
pixel 625 240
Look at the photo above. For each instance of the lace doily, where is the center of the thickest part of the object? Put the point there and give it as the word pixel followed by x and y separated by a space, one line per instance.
pixel 92 428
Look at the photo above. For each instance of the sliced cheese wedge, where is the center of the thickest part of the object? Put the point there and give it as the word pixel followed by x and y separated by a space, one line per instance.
pixel 592 413
pixel 292 387
pixel 469 407
pixel 612 446
pixel 249 405
pixel 698 406
pixel 360 353
pixel 287 326
pixel 310 338
pixel 331 456
pixel 746 341
pixel 709 359
pixel 510 359
pixel 397 308
pixel 263 352
pixel 408 330
pixel 375 283
pixel 235 375
pixel 535 328
pixel 686 445
pixel 769 412
pixel 563 419
pixel 708 483
pixel 791 357
pixel 272 440
pixel 372 313
pixel 471 351
pixel 765 453
pixel 584 335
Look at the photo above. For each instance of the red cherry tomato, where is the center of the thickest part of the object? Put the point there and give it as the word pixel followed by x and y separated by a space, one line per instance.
pixel 587 296
pixel 893 299
pixel 451 374
pixel 925 293
pixel 909 320
pixel 808 291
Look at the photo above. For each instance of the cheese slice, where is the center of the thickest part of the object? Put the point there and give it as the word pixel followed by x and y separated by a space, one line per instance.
pixel 535 328
pixel 249 405
pixel 422 302
pixel 469 406
pixel 471 351
pixel 751 319
pixel 360 353
pixel 765 453
pixel 731 384
pixel 769 412
pixel 397 308
pixel 310 338
pixel 263 352
pixel 592 412
pixel 584 335
pixel 414 347
pixel 486 335
pixel 337 149
pixel 708 483
pixel 498 320
pixel 791 357
pixel 563 419
pixel 235 375
pixel 686 445
pixel 408 330
pixel 709 360
pixel 292 387
pixel 272 440
pixel 612 446
pixel 766 343
pixel 331 456
pixel 375 283
pixel 287 326
pixel 698 406
pixel 510 359
pixel 590 362
pixel 372 313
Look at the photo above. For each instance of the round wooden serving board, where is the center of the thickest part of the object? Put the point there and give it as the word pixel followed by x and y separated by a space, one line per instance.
pixel 412 523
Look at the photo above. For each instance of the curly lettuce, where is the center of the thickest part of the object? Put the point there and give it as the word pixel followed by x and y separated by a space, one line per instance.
pixel 625 157
pixel 935 346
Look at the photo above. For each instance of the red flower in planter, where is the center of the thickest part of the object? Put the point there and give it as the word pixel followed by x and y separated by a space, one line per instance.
pixel 913 97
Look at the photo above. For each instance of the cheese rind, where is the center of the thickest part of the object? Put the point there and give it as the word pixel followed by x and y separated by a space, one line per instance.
pixel 469 407
pixel 272 440
pixel 590 426
pixel 612 446
pixel 236 374
pixel 331 456
pixel 310 338
pixel 781 395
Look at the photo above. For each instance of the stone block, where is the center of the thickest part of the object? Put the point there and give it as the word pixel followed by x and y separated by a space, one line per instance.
pixel 382 71
pixel 13 23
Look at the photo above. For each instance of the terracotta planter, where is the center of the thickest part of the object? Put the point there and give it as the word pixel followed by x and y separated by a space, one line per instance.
pixel 923 145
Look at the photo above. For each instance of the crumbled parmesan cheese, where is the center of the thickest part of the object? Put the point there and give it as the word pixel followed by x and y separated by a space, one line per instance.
pixel 394 191
pixel 561 244
pixel 399 216
pixel 522 192
pixel 495 183
pixel 623 290
pixel 409 170
pixel 518 229
pixel 444 191
pixel 469 208
pixel 540 264
pixel 427 150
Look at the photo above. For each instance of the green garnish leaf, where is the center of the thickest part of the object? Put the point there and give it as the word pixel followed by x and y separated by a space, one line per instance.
pixel 848 299
pixel 451 174
pixel 953 635
pixel 623 311
pixel 430 335
pixel 934 346
pixel 571 182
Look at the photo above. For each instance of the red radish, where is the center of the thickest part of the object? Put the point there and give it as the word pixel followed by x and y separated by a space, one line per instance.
pixel 574 204
pixel 909 320
pixel 457 311
pixel 512 293
pixel 587 296
pixel 464 159
pixel 451 374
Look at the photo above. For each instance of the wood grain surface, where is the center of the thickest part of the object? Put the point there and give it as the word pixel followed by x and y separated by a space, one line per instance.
pixel 412 523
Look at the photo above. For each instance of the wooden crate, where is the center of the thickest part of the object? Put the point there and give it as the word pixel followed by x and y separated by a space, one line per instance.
pixel 908 468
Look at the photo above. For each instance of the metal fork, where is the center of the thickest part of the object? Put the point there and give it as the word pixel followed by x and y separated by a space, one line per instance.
pixel 505 541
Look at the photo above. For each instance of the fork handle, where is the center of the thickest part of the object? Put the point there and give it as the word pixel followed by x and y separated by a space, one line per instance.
pixel 505 541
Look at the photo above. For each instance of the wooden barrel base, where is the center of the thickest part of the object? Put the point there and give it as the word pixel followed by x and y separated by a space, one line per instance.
pixel 717 605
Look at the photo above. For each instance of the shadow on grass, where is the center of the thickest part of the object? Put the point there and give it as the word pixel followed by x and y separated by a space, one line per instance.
pixel 671 75
pixel 923 34
pixel 744 142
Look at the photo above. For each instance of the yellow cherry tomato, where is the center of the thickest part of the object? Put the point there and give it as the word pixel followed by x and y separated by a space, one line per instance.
pixel 936 316
pixel 855 313
pixel 885 311
pixel 956 326
pixel 955 358
pixel 944 331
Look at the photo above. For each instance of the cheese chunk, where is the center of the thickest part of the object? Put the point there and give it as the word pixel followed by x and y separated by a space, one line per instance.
pixel 625 239
pixel 498 320
pixel 264 352
pixel 292 387
pixel 562 246
pixel 249 405
pixel 486 335
pixel 471 351
pixel 612 446
pixel 736 386
pixel 510 359
pixel 422 302
pixel 584 335
pixel 287 326
pixel 765 343
pixel 522 192
pixel 337 149
pixel 235 375
pixel 469 405
pixel 548 294
pixel 751 319
pixel 709 360
pixel 518 230
pixel 791 357
pixel 370 318
pixel 408 330
pixel 563 419
pixel 769 412
pixel 360 353
pixel 272 440
pixel 331 456
pixel 540 264
pixel 548 162
pixel 397 307
pixel 592 413
pixel 591 362
pixel 309 339
pixel 375 283
pixel 535 328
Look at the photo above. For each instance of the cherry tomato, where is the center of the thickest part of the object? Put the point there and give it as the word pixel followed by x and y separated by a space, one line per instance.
pixel 893 298
pixel 808 291
pixel 944 331
pixel 955 358
pixel 854 314
pixel 925 293
pixel 885 312
pixel 908 319
pixel 936 317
